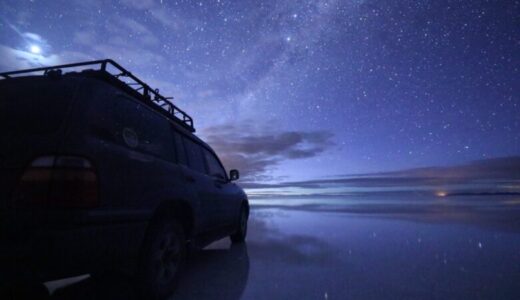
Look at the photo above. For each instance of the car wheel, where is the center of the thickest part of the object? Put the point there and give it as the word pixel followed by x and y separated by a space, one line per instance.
pixel 240 235
pixel 162 259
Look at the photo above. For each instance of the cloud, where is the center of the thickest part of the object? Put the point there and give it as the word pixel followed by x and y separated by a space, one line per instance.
pixel 161 13
pixel 498 174
pixel 22 57
pixel 123 27
pixel 115 45
pixel 138 57
pixel 170 19
pixel 255 151
pixel 493 168
pixel 13 59
pixel 33 37
pixel 85 37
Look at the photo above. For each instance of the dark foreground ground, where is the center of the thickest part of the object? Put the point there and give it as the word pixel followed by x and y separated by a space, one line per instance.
pixel 377 252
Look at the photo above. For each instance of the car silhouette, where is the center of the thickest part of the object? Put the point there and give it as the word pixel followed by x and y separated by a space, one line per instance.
pixel 99 171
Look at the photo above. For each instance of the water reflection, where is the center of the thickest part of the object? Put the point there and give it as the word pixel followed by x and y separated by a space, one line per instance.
pixel 407 253
pixel 220 271
pixel 463 248
pixel 500 212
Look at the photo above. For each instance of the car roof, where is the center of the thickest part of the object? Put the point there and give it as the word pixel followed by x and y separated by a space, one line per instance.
pixel 114 74
pixel 86 77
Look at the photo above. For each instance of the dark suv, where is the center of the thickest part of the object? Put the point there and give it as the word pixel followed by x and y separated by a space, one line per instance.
pixel 98 170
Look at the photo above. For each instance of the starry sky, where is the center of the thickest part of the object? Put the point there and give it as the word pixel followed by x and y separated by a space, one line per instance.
pixel 302 90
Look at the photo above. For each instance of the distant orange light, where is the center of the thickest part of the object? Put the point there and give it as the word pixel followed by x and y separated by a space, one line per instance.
pixel 441 194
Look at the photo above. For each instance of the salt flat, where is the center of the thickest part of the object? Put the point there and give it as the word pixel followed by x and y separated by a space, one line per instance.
pixel 376 251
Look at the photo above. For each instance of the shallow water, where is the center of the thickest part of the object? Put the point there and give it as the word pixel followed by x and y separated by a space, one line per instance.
pixel 305 254
pixel 382 251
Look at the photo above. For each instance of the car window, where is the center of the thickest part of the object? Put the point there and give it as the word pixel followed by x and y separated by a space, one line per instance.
pixel 214 167
pixel 136 126
pixel 180 149
pixel 195 158
pixel 37 110
pixel 154 134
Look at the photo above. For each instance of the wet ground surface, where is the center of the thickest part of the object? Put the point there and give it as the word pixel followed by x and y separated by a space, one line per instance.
pixel 312 253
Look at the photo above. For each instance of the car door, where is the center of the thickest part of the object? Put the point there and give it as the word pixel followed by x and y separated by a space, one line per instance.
pixel 194 171
pixel 228 200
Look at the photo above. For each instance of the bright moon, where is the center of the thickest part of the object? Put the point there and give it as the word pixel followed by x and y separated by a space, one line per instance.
pixel 35 49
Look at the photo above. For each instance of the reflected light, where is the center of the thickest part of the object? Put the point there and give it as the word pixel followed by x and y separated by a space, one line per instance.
pixel 441 194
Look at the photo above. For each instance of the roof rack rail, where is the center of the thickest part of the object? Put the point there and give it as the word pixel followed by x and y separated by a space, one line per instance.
pixel 134 83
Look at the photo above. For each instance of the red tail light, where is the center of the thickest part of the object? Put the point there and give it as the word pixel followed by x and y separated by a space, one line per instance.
pixel 58 182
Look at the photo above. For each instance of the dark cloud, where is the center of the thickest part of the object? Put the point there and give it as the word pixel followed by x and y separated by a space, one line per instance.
pixel 492 168
pixel 255 151
pixel 503 169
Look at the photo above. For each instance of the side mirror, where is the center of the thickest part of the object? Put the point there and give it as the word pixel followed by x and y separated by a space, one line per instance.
pixel 233 175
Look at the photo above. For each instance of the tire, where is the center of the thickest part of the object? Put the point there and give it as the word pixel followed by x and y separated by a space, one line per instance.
pixel 240 235
pixel 162 259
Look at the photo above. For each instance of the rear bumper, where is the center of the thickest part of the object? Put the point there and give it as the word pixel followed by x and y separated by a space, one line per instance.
pixel 52 252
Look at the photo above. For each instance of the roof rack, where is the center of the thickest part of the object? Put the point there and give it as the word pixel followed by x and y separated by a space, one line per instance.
pixel 133 83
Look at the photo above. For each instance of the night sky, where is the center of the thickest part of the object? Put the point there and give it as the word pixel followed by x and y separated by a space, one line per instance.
pixel 300 90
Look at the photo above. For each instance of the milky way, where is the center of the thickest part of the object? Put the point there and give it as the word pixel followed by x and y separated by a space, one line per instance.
pixel 333 87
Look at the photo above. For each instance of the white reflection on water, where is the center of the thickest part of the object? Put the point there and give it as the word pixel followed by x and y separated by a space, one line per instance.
pixel 415 199
pixel 297 253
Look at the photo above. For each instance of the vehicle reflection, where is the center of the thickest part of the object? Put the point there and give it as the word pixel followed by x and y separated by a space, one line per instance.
pixel 220 271
pixel 215 273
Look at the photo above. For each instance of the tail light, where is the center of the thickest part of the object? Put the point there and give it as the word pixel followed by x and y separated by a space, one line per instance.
pixel 58 182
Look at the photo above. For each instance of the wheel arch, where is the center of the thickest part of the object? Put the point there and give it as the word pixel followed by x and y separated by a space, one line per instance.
pixel 178 209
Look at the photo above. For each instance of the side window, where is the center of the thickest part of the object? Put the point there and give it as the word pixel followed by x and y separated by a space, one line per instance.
pixel 195 158
pixel 180 149
pixel 154 134
pixel 215 169
pixel 135 126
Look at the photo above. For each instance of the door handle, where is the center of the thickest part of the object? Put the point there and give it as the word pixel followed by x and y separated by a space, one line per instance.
pixel 190 178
